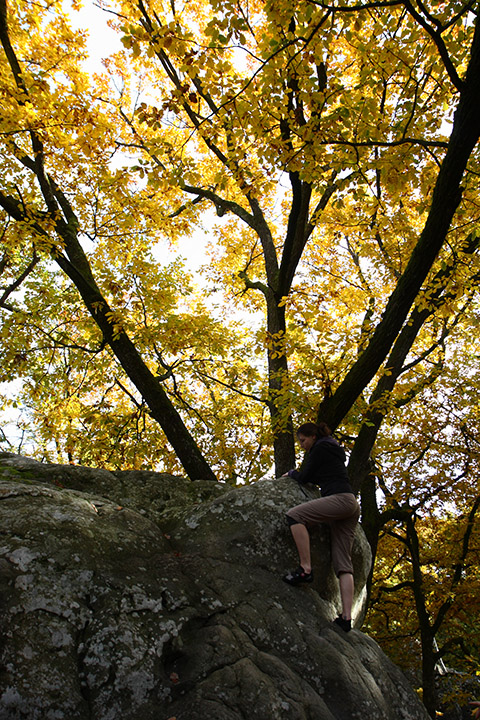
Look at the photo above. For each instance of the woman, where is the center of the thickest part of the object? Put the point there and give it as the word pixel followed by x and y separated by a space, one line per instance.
pixel 324 465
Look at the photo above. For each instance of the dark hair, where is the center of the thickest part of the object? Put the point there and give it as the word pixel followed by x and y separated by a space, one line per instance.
pixel 314 430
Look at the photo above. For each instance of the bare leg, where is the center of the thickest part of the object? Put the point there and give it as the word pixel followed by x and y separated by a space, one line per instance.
pixel 346 593
pixel 302 541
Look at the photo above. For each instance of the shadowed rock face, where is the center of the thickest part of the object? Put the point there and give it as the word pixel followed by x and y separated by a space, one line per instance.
pixel 165 601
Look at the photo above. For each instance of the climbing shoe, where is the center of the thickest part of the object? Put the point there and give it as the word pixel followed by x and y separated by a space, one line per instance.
pixel 346 625
pixel 298 576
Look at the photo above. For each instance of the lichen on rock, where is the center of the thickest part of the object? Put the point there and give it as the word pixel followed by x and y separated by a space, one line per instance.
pixel 143 596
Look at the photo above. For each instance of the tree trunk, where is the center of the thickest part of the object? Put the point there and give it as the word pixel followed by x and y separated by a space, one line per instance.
pixel 427 633
pixel 371 523
pixel 430 699
pixel 278 395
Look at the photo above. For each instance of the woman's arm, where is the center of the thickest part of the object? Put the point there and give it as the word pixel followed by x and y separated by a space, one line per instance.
pixel 308 473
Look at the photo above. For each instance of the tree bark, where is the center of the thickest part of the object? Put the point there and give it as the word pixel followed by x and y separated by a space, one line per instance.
pixel 278 375
pixel 371 523
pixel 426 632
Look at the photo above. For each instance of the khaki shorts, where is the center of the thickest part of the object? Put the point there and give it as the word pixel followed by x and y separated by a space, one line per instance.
pixel 341 512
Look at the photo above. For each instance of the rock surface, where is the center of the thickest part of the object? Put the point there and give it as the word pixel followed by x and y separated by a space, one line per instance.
pixel 141 596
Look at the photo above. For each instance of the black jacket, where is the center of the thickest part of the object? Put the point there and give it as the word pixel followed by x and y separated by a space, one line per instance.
pixel 324 465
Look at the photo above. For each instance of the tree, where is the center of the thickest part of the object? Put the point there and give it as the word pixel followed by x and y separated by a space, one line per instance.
pixel 427 564
pixel 234 98
pixel 337 144
pixel 423 525
pixel 326 144
pixel 55 227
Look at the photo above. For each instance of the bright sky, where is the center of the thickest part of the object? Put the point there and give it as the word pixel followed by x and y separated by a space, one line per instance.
pixel 102 40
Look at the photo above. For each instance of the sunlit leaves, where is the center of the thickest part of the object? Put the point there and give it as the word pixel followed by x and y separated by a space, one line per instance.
pixel 224 101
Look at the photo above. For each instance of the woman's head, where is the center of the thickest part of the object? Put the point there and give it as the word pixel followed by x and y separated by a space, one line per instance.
pixel 309 433
pixel 317 430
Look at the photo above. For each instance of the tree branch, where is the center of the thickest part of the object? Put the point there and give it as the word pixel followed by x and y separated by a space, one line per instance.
pixel 222 204
pixel 441 47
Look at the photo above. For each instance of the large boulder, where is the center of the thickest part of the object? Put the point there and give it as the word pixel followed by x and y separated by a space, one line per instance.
pixel 143 596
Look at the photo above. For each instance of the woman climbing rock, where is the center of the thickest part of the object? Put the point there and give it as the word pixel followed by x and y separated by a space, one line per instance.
pixel 324 465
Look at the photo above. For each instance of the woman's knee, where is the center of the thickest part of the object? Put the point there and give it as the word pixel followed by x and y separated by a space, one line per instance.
pixel 291 520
